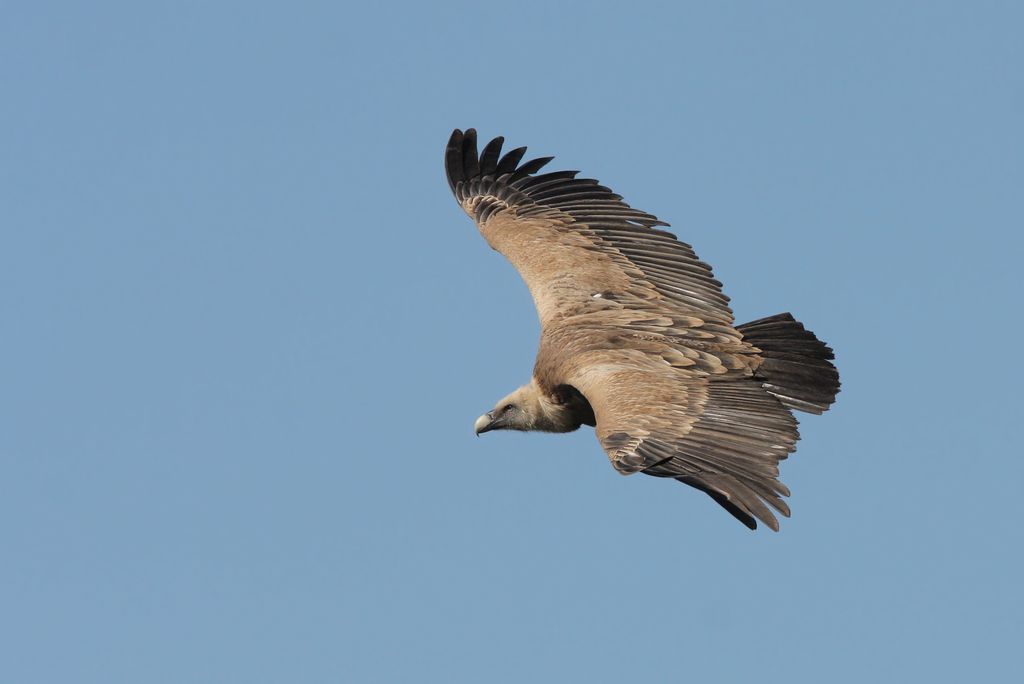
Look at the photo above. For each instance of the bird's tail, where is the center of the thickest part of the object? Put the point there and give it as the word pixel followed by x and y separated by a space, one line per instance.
pixel 797 365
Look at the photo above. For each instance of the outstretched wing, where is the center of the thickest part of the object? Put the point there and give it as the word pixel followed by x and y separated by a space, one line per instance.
pixel 725 438
pixel 578 246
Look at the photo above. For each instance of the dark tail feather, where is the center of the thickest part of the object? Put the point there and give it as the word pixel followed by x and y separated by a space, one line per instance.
pixel 797 365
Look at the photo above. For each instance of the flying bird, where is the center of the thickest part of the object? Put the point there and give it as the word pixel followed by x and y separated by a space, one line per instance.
pixel 637 338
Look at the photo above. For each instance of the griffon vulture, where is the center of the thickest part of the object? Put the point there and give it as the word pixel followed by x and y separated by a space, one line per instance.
pixel 638 339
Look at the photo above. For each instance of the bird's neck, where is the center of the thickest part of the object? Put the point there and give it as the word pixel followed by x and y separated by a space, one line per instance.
pixel 561 411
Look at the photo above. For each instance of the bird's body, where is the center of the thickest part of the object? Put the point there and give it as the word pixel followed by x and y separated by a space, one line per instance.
pixel 638 339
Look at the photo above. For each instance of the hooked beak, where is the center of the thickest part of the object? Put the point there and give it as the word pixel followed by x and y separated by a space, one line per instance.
pixel 484 423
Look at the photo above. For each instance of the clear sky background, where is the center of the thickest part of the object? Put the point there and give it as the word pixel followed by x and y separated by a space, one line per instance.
pixel 246 331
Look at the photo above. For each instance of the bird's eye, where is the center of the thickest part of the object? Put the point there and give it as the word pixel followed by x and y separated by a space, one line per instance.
pixel 507 407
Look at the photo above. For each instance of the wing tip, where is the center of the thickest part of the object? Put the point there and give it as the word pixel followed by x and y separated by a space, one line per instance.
pixel 747 512
pixel 462 163
pixel 581 199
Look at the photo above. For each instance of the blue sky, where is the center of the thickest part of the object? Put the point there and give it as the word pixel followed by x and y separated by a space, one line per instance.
pixel 246 331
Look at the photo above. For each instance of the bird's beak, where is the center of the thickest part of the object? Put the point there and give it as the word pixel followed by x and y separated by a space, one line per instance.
pixel 484 423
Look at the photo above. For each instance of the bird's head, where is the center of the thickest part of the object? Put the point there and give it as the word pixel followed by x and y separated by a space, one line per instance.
pixel 517 411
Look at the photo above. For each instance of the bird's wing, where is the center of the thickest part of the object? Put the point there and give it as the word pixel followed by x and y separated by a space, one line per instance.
pixel 725 438
pixel 579 247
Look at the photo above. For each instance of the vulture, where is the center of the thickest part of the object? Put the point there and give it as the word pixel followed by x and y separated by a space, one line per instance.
pixel 637 337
